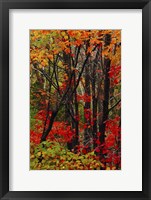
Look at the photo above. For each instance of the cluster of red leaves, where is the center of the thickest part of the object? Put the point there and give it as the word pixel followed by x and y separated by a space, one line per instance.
pixel 61 132
pixel 113 130
pixel 63 86
pixel 114 75
pixel 112 148
pixel 85 98
pixel 41 115
pixel 82 148
pixel 35 137
pixel 87 113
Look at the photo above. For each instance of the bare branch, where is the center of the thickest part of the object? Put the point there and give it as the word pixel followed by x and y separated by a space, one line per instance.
pixel 46 76
pixel 80 74
pixel 114 105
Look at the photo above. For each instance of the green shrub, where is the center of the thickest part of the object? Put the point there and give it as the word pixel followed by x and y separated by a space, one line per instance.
pixel 53 156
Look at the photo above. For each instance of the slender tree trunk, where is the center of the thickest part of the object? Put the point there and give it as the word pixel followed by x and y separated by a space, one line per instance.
pixel 45 134
pixel 75 123
pixel 105 100
pixel 107 63
pixel 94 104
pixel 100 92
pixel 69 106
pixel 48 106
pixel 87 108
pixel 94 96
pixel 76 139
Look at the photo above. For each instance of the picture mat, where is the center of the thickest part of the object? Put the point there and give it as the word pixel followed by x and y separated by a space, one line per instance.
pixel 127 179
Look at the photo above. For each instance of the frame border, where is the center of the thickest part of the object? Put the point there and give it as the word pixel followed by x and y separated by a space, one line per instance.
pixel 5 5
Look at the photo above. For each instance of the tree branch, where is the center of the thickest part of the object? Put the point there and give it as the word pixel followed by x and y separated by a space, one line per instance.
pixel 81 72
pixel 114 105
pixel 76 59
pixel 45 75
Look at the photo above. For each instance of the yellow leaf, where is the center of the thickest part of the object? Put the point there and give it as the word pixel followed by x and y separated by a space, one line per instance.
pixel 107 168
pixel 66 37
pixel 39 154
pixel 59 64
pixel 63 33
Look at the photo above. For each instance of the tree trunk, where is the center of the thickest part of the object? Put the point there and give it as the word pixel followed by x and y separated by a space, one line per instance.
pixel 87 107
pixel 100 92
pixel 48 106
pixel 45 134
pixel 94 105
pixel 76 139
pixel 105 100
pixel 94 96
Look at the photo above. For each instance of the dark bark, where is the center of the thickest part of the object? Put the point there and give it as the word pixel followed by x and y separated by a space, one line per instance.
pixel 75 121
pixel 47 115
pixel 94 96
pixel 87 106
pixel 94 106
pixel 100 93
pixel 105 100
pixel 45 134
pixel 69 110
pixel 114 105
pixel 94 120
pixel 75 141
pixel 87 121
pixel 67 61
pixel 107 39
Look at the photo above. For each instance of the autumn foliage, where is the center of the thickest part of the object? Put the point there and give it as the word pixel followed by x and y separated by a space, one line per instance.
pixel 75 99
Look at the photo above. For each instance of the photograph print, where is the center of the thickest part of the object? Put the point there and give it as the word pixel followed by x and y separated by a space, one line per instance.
pixel 75 99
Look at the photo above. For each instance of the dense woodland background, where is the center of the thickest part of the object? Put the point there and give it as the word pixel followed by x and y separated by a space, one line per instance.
pixel 75 99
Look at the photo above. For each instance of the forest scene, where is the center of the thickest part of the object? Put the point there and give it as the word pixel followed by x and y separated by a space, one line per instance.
pixel 75 99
